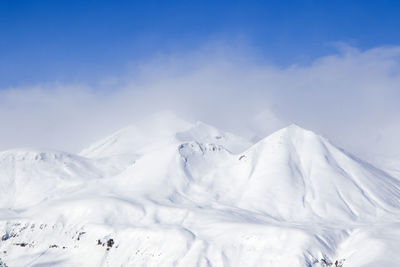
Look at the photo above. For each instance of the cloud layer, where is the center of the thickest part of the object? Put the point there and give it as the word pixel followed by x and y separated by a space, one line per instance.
pixel 351 96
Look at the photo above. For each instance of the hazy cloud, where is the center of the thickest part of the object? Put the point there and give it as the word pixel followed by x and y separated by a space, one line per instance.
pixel 350 97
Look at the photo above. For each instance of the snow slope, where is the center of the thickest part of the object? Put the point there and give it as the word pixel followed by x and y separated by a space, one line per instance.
pixel 166 192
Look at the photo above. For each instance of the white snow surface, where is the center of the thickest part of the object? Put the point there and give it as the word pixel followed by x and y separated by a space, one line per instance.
pixel 166 192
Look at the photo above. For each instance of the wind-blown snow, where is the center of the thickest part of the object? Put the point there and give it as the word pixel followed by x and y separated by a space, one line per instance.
pixel 166 192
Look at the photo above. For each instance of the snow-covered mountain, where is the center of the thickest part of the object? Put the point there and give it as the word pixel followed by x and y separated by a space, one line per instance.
pixel 166 192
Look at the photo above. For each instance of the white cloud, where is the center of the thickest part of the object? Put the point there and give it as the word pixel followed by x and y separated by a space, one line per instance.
pixel 351 97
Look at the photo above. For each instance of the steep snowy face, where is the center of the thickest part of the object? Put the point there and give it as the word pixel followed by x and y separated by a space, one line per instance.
pixel 296 174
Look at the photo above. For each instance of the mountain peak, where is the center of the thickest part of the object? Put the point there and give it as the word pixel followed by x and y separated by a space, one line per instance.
pixel 294 128
pixel 315 177
pixel 159 130
pixel 151 131
pixel 292 134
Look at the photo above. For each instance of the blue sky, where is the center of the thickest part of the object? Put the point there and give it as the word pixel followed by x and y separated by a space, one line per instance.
pixel 81 41
pixel 72 72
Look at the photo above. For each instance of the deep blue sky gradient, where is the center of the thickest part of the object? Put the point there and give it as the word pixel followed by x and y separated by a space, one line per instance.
pixel 44 41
